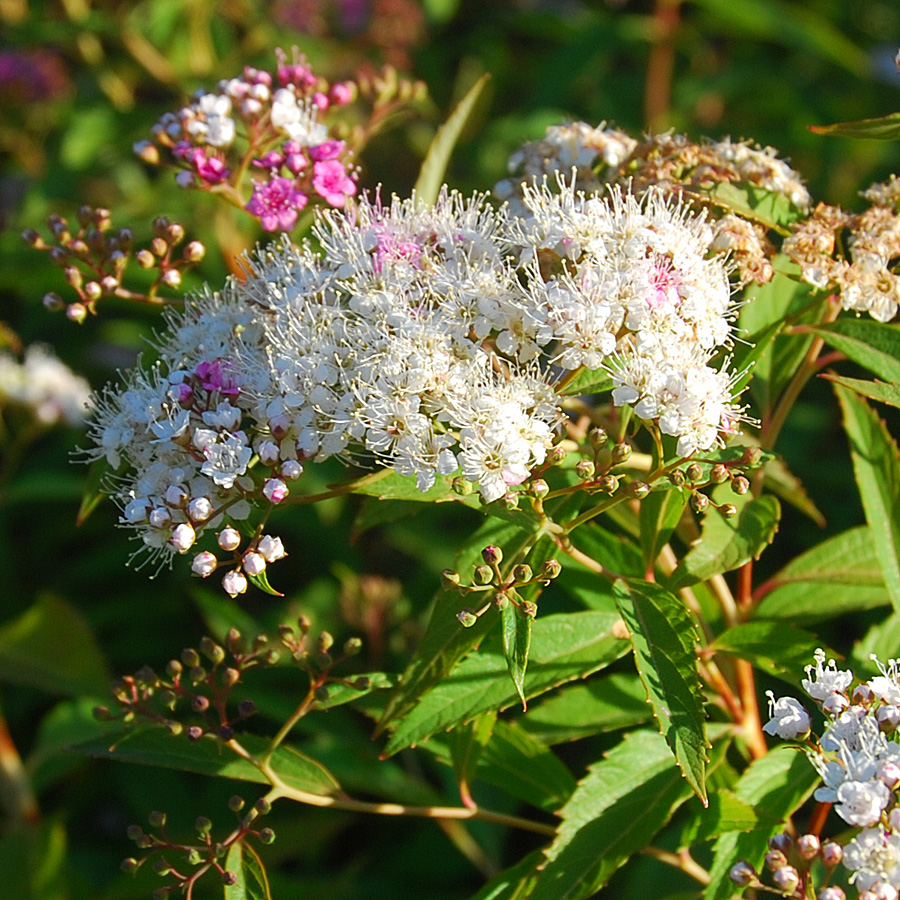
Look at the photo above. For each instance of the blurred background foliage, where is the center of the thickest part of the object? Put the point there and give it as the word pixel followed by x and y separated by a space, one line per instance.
pixel 80 82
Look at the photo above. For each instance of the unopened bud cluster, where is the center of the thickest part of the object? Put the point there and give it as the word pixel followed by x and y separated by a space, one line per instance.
pixel 858 759
pixel 94 258
pixel 788 862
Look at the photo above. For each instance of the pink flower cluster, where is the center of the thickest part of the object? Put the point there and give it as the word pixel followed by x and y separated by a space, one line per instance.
pixel 275 123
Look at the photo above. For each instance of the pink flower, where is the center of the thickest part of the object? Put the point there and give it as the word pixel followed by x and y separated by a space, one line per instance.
pixel 276 203
pixel 213 376
pixel 330 180
pixel 326 150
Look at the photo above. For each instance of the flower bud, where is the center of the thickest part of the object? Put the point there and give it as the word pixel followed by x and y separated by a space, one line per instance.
pixel 160 517
pixel 862 694
pixel 492 555
pixel 808 845
pixel 742 873
pixel 268 452
pixel 620 453
pixel 147 152
pixel 786 879
pixel 584 469
pixel 449 579
pixel 254 563
pixel 275 490
pixel 699 502
pixel 93 291
pixel 175 496
pixel 539 488
pixel 234 583
pixel 73 276
pixel 693 472
pixel 888 718
pixel 775 860
pixel 832 893
pixel 885 891
pixel 145 259
pixel 171 278
pixel 183 537
pixel 200 704
pixel 639 489
pixel 727 510
pixel 678 479
pixel 200 509
pixel 266 836
pixel 740 485
pixel 194 733
pixel 291 470
pixel 832 854
pixel 522 574
pixel 108 284
pixel 466 618
pixel 159 246
pixel 352 646
pixel 835 704
pixel 236 803
pixel 76 312
pixel 54 303
pixel 270 548
pixel 888 773
pixel 484 574
pixel 129 865
pixel 229 538
pixel 598 438
pixel 194 252
pixel 551 569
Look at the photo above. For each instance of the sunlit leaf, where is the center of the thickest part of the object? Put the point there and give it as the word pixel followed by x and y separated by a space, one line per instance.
pixel 882 128
pixel 874 345
pixel 515 629
pixel 879 391
pixel 251 882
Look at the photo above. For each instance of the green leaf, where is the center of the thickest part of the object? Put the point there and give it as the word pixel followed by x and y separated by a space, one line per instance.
pixel 515 627
pixel 261 582
pixel 243 862
pixel 466 744
pixel 775 647
pixel 514 883
pixel 766 207
pixel 431 175
pixel 563 647
pixel 156 747
pixel 877 469
pixel 52 648
pixel 617 808
pixel 660 513
pixel 839 575
pixel 774 786
pixel 33 861
pixel 587 381
pixel 874 390
pixel 445 641
pixel 521 765
pixel 664 635
pixel 874 345
pixel 93 493
pixel 725 813
pixel 727 544
pixel 580 710
pixel 882 640
pixel 882 128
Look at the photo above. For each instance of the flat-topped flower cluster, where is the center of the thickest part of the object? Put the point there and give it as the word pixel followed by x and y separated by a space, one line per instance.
pixel 858 758
pixel 424 338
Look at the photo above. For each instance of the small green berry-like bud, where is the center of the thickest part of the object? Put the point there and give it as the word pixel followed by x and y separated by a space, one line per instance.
pixel 159 246
pixel 230 677
pixel 501 601
pixel 551 568
pixel 639 489
pixel 174 668
pixel 134 832
pixel 161 867
pixel 597 438
pixel 449 579
pixel 236 803
pixel 145 259
pixel 751 457
pixel 740 485
pixel 262 807
pixel 728 510
pixel 229 878
pixel 484 574
pixel 461 486
pixel 203 825
pixel 129 865
pixel 266 836
pixel 609 484
pixel 190 657
pixel 466 618
pixel 93 291
pixel 76 312
pixel 620 452
pixel 511 499
pixel 197 674
pixel 718 474
pixel 529 607
pixel 157 819
pixel 320 692
pixel 225 733
pixel 492 555
pixel 212 651
pixel 200 704
pixel 585 469
pixel 325 642
pixel 352 646
pixel 693 472
pixel 699 502
pixel 742 873
pixel 677 478
pixel 194 252
pixel 246 708
pixel 540 488
pixel 522 574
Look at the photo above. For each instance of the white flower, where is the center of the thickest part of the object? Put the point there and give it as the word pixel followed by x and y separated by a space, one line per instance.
pixel 253 563
pixel 234 582
pixel 270 548
pixel 183 537
pixel 204 564
pixel 828 678
pixel 862 802
pixel 789 720
pixel 873 856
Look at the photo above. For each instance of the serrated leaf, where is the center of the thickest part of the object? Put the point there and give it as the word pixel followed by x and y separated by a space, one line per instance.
pixel 874 345
pixel 156 747
pixel 727 544
pixel 775 647
pixel 882 128
pixel 445 641
pixel 251 882
pixel 663 635
pixel 434 167
pixel 877 469
pixel 515 628
pixel 563 647
pixel 879 391
pixel 617 808
pixel 580 710
pixel 724 813
pixel 774 786
pixel 52 648
pixel 587 381
pixel 93 494
pixel 839 575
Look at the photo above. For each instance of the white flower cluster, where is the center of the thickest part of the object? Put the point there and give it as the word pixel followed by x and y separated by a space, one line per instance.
pixel 637 291
pixel 426 339
pixel 43 385
pixel 858 761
